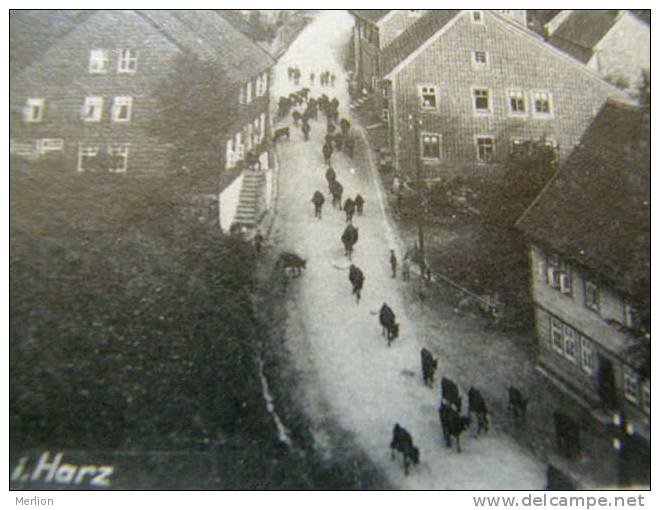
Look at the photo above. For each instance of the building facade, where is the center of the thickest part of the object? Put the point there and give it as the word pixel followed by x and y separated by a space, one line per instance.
pixel 464 87
pixel 590 286
pixel 92 94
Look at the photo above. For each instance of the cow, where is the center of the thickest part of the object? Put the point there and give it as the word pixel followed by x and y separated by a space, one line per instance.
pixel 349 238
pixel 327 152
pixel 306 128
pixel 336 190
pixel 388 322
pixel 453 424
pixel 289 260
pixel 359 204
pixel 450 394
pixel 349 209
pixel 429 366
pixel 517 404
pixel 345 126
pixel 281 133
pixel 318 199
pixel 402 442
pixel 477 405
pixel 330 176
pixel 356 277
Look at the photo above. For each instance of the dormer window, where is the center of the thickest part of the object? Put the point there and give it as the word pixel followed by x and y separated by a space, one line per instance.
pixel 127 61
pixel 98 61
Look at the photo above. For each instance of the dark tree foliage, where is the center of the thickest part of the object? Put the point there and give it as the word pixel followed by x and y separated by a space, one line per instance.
pixel 130 319
pixel 196 106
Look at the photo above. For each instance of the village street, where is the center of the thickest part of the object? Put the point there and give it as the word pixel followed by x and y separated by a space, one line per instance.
pixel 348 375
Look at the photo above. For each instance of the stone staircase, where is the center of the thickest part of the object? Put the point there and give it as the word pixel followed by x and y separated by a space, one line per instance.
pixel 250 200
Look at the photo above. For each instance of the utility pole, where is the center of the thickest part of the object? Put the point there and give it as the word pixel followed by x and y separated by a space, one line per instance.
pixel 414 123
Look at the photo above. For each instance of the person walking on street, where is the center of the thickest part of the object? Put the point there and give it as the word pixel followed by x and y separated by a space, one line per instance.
pixel 405 269
pixel 311 78
pixel 306 128
pixel 393 263
pixel 258 241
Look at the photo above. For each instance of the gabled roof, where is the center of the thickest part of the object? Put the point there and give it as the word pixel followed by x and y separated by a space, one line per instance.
pixel 212 38
pixel 370 15
pixel 414 36
pixel 31 32
pixel 581 31
pixel 596 211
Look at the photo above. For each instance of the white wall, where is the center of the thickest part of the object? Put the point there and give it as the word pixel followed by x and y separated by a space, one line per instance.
pixel 228 203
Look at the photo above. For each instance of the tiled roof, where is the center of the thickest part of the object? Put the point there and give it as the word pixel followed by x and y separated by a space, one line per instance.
pixel 370 15
pixel 597 210
pixel 582 30
pixel 416 35
pixel 211 37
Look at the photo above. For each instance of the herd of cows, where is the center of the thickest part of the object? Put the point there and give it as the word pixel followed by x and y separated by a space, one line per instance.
pixel 302 109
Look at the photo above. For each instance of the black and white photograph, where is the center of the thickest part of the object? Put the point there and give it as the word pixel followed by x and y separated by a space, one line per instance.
pixel 329 250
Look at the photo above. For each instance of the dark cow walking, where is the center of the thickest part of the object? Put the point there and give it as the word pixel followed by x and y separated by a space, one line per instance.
pixel 453 424
pixel 330 176
pixel 289 260
pixel 327 152
pixel 356 277
pixel 280 133
pixel 306 128
pixel 517 404
pixel 336 190
pixel 318 199
pixel 450 394
pixel 349 209
pixel 349 238
pixel 429 366
pixel 388 322
pixel 402 442
pixel 477 405
pixel 359 204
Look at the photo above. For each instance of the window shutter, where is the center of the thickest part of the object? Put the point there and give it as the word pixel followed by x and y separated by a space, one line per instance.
pixel 565 283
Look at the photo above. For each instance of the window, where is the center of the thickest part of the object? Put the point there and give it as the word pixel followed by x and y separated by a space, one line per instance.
pixel 587 355
pixel 121 109
pixel 630 384
pixel 477 17
pixel 481 99
pixel 98 61
pixel 557 335
pixel 646 395
pixel 33 110
pixel 431 146
pixel 118 158
pixel 240 148
pixel 127 61
pixel 241 95
pixel 92 109
pixel 386 115
pixel 427 97
pixel 248 137
pixel 480 58
pixel 559 275
pixel 485 149
pixel 262 126
pixel 630 316
pixel 230 155
pixel 517 102
pixel 257 132
pixel 542 103
pixel 51 144
pixel 571 343
pixel 385 91
pixel 591 298
pixel 87 157
pixel 248 92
